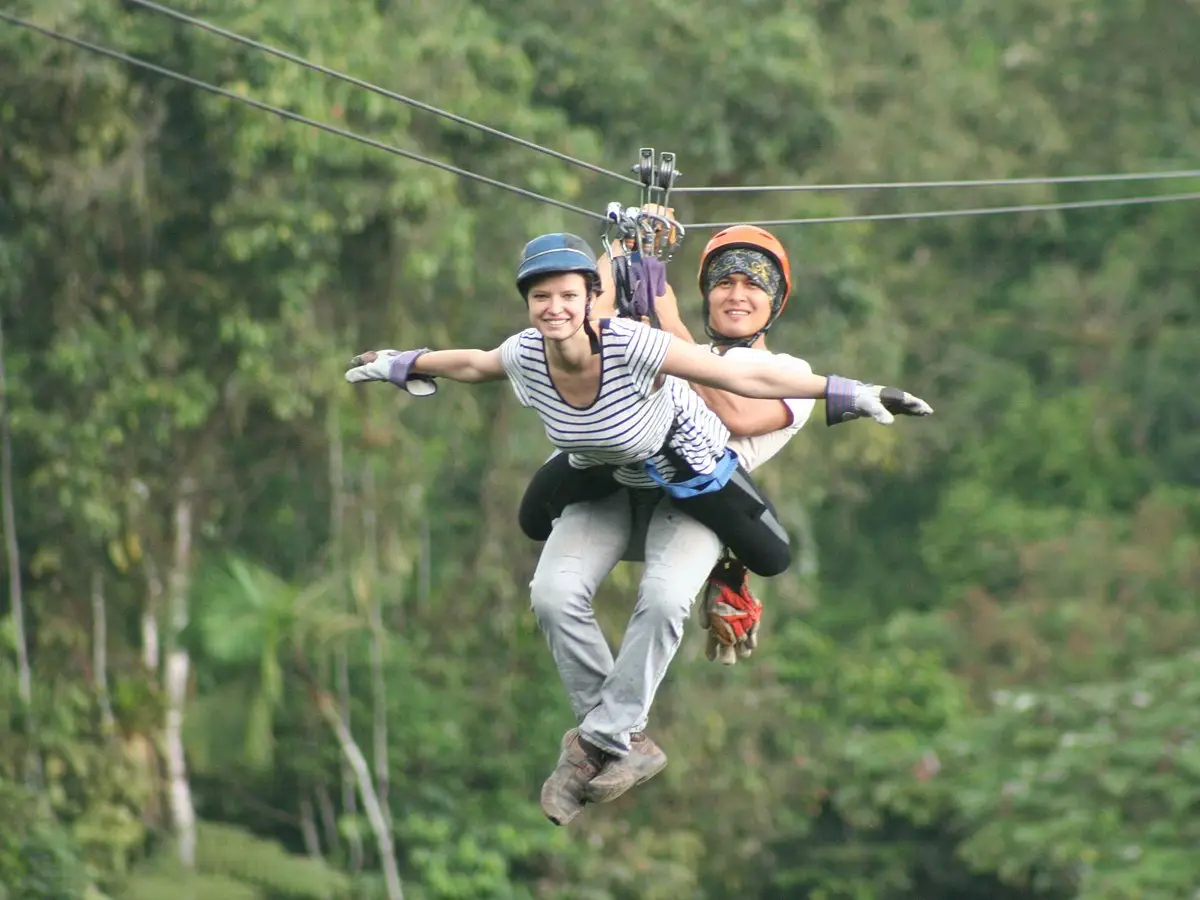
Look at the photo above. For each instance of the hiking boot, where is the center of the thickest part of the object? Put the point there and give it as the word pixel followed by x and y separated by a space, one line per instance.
pixel 644 760
pixel 578 763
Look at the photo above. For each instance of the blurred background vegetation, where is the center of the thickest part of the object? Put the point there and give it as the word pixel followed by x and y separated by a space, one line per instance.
pixel 265 637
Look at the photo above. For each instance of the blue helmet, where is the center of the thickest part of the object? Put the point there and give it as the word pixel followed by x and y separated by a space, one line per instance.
pixel 555 254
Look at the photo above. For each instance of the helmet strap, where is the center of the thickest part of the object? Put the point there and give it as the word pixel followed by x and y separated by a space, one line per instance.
pixel 728 343
pixel 593 338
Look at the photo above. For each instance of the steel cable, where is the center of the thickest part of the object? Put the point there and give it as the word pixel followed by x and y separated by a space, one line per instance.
pixel 295 117
pixel 949 213
pixel 374 88
pixel 906 185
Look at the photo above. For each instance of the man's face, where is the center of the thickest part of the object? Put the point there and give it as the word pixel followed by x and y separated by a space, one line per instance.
pixel 737 307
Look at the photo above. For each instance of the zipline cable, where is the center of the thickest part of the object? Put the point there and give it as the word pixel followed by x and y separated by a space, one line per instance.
pixel 730 189
pixel 416 157
pixel 949 213
pixel 904 185
pixel 366 85
pixel 295 117
pixel 539 148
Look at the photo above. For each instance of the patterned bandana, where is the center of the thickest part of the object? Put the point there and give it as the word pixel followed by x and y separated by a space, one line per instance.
pixel 754 264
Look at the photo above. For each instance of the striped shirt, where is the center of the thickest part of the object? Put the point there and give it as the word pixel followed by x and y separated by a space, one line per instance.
pixel 629 420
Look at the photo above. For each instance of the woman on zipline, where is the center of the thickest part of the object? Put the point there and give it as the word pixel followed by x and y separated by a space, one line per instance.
pixel 745 281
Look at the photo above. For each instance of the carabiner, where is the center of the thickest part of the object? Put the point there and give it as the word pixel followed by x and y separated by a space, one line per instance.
pixel 620 226
pixel 661 235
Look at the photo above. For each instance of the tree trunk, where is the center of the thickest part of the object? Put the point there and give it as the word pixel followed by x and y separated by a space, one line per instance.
pixel 100 650
pixel 151 651
pixel 328 814
pixel 183 813
pixel 337 536
pixel 362 773
pixel 11 546
pixel 349 795
pixel 308 828
pixel 378 643
pixel 491 564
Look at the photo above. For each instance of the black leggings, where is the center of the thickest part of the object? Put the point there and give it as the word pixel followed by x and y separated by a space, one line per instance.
pixel 739 514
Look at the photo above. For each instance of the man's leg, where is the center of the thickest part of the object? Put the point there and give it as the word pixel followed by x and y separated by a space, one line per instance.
pixel 554 487
pixel 587 541
pixel 742 516
pixel 680 552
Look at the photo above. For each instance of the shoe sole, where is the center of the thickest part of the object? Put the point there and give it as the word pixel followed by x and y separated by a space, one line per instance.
pixel 609 798
pixel 558 817
pixel 554 817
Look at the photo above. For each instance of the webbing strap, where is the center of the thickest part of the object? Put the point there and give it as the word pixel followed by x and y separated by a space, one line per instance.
pixel 697 484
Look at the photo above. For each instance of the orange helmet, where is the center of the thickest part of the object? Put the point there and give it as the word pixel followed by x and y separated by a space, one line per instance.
pixel 755 238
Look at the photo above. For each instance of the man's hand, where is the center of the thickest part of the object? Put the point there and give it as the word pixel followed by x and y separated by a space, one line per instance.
pixel 730 613
pixel 665 234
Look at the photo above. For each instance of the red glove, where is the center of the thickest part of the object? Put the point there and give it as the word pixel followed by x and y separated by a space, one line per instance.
pixel 730 613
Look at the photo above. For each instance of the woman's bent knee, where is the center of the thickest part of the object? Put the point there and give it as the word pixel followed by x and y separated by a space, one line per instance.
pixel 664 602
pixel 555 595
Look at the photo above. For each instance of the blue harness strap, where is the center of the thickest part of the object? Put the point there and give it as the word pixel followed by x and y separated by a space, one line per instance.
pixel 697 484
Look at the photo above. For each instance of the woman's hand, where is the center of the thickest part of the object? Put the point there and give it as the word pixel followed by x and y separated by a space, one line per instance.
pixel 392 366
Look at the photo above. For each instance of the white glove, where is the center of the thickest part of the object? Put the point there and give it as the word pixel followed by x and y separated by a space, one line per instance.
pixel 846 400
pixel 394 367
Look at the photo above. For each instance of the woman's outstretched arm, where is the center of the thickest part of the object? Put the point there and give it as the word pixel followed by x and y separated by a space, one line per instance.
pixel 414 370
pixel 845 399
pixel 468 366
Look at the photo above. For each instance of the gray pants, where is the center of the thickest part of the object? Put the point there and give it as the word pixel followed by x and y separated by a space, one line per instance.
pixel 612 698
